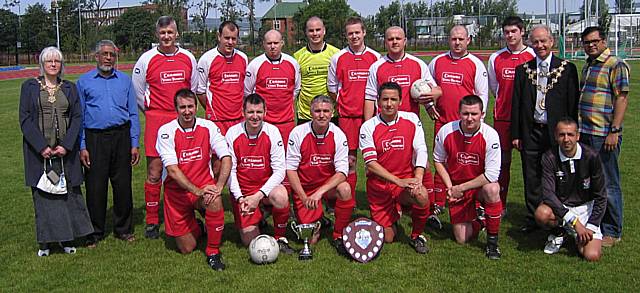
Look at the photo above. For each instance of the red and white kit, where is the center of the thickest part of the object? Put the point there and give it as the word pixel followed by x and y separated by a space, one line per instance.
pixel 399 147
pixel 502 71
pixel 221 78
pixel 465 158
pixel 278 82
pixel 191 151
pixel 317 157
pixel 404 72
pixel 156 78
pixel 258 165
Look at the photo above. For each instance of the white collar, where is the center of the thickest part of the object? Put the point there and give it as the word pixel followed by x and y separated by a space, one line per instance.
pixel 548 60
pixel 577 155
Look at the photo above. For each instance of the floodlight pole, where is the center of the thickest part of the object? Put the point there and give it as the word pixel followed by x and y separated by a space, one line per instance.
pixel 54 5
pixel 546 9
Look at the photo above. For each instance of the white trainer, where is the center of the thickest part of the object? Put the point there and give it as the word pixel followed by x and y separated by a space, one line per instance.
pixel 553 244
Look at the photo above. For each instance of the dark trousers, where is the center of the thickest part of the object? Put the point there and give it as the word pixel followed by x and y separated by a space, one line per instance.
pixel 532 167
pixel 110 156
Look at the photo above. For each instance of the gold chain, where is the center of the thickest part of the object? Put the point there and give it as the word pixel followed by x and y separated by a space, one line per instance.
pixel 50 90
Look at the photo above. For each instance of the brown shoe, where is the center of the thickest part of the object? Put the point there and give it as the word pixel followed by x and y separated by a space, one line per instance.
pixel 608 241
pixel 127 237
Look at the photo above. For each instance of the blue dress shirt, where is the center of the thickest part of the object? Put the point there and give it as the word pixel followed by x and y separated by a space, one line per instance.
pixel 107 102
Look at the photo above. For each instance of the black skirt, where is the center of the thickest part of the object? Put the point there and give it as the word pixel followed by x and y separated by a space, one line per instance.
pixel 60 217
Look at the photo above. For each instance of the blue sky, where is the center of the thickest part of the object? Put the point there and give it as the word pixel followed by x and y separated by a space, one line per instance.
pixel 365 7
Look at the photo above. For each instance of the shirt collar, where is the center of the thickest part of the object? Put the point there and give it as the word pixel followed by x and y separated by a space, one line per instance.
pixel 601 58
pixel 577 155
pixel 112 75
pixel 548 60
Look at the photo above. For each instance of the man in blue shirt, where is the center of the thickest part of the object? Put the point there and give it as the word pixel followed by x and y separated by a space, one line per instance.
pixel 108 142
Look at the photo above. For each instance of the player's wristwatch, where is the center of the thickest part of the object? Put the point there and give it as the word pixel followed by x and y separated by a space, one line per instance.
pixel 615 129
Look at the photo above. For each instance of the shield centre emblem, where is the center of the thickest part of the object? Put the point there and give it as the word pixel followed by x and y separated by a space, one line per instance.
pixel 363 238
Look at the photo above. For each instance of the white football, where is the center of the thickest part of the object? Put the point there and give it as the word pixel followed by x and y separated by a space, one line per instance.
pixel 264 249
pixel 420 87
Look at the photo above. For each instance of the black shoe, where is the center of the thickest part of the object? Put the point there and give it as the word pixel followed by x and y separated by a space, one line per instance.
pixel 339 245
pixel 434 222
pixel 283 243
pixel 152 231
pixel 528 228
pixel 215 262
pixel 480 214
pixel 419 244
pixel 325 223
pixel 492 251
pixel 436 209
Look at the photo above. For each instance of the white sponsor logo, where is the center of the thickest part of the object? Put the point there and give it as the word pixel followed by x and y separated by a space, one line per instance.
pixel 190 155
pixel 252 162
pixel 321 159
pixel 277 83
pixel 465 158
pixel 358 74
pixel 508 73
pixel 231 77
pixel 395 143
pixel 402 80
pixel 172 76
pixel 452 78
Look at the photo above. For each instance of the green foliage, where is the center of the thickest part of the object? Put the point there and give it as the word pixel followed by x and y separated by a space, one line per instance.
pixel 38 28
pixel 604 18
pixel 334 13
pixel 135 29
pixel 229 10
pixel 8 29
pixel 624 6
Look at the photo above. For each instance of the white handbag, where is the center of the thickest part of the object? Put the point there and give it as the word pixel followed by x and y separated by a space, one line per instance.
pixel 48 182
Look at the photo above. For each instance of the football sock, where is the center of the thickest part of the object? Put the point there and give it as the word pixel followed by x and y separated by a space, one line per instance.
pixel 493 211
pixel 440 191
pixel 418 219
pixel 215 225
pixel 503 180
pixel 343 211
pixel 280 219
pixel 152 200
pixel 352 179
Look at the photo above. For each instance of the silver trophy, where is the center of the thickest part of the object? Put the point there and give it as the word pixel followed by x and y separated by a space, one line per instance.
pixel 305 232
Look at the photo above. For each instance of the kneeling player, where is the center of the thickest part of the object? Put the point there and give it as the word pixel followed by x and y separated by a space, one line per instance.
pixel 257 171
pixel 467 157
pixel 185 146
pixel 573 193
pixel 317 166
pixel 395 153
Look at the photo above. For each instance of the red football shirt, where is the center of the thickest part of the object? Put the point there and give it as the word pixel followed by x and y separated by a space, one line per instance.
pixel 502 71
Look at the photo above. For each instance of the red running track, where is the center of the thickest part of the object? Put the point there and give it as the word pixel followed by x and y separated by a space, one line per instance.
pixel 75 69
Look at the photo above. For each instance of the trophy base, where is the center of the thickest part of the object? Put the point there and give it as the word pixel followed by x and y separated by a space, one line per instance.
pixel 305 257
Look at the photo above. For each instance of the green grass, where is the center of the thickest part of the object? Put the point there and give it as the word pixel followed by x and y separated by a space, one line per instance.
pixel 152 265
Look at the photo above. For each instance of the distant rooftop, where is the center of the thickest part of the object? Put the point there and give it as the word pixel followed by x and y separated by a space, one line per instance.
pixel 284 9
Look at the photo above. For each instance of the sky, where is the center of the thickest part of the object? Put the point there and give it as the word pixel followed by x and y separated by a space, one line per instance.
pixel 364 7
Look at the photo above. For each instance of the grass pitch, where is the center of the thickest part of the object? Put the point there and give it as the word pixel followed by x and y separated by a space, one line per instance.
pixel 154 265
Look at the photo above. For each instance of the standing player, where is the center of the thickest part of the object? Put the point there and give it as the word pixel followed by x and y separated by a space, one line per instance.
pixel 467 158
pixel 317 166
pixel 185 146
pixel 502 71
pixel 459 73
pixel 314 61
pixel 157 76
pixel 399 67
pixel 275 76
pixel 257 171
pixel 221 73
pixel 347 80
pixel 395 153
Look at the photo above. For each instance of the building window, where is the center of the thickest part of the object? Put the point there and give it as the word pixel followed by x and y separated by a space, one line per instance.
pixel 276 25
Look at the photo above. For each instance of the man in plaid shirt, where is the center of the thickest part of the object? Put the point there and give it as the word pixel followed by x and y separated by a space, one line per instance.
pixel 605 87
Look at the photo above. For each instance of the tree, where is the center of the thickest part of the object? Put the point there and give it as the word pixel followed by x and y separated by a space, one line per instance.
pixel 173 8
pixel 8 30
pixel 200 18
pixel 38 29
pixel 334 14
pixel 624 6
pixel 604 18
pixel 135 29
pixel 229 10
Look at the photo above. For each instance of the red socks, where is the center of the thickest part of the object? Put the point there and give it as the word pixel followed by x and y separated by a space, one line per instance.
pixel 152 200
pixel 280 219
pixel 215 225
pixel 493 213
pixel 418 219
pixel 440 192
pixel 343 211
pixel 352 179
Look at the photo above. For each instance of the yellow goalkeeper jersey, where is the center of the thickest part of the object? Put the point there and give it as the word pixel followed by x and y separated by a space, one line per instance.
pixel 313 72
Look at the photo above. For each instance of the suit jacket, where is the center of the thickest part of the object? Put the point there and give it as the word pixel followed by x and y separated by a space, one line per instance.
pixel 560 101
pixel 33 141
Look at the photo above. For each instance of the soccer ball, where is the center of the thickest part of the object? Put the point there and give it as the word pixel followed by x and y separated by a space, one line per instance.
pixel 264 249
pixel 420 87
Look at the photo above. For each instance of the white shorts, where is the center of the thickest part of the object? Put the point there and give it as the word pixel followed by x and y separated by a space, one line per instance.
pixel 584 212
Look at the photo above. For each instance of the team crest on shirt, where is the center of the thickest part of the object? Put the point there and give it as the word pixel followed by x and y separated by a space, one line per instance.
pixel 252 162
pixel 231 77
pixel 172 76
pixel 394 143
pixel 452 78
pixel 190 155
pixel 358 74
pixel 321 159
pixel 508 73
pixel 465 158
pixel 277 83
pixel 401 80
